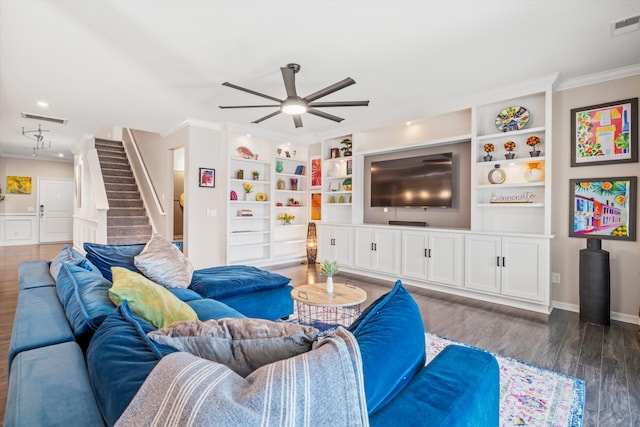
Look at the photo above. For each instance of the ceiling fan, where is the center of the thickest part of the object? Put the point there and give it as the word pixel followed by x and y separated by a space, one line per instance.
pixel 294 104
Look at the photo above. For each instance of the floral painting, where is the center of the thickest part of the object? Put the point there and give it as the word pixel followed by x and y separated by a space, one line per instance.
pixel 604 208
pixel 316 172
pixel 18 184
pixel 207 177
pixel 605 133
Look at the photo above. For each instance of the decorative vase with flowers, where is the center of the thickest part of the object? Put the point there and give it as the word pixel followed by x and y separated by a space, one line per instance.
pixel 488 148
pixel 248 188
pixel 510 146
pixel 286 218
pixel 329 269
pixel 532 141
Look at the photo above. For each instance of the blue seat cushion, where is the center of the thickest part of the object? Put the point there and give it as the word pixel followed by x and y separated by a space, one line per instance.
pixel 207 309
pixel 459 388
pixel 226 281
pixel 85 297
pixel 390 334
pixel 49 386
pixel 119 358
pixel 39 321
pixel 184 294
pixel 270 304
pixel 34 274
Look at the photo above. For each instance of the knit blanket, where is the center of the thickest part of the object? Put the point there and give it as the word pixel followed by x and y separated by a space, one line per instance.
pixel 321 387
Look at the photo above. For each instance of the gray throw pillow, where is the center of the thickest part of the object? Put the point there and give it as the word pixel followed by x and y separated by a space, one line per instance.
pixel 243 345
pixel 162 262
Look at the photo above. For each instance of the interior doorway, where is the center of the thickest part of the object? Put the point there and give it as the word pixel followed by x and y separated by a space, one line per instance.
pixel 178 194
pixel 55 210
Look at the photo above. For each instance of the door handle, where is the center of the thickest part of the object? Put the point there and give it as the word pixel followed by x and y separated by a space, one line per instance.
pixel 425 253
pixel 497 261
pixel 41 211
pixel 503 263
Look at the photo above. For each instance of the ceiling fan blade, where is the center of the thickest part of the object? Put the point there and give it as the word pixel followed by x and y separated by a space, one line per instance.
pixel 252 92
pixel 289 78
pixel 268 116
pixel 246 106
pixel 324 115
pixel 340 104
pixel 330 89
pixel 297 120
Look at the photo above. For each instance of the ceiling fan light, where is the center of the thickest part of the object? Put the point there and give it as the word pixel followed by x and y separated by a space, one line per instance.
pixel 294 106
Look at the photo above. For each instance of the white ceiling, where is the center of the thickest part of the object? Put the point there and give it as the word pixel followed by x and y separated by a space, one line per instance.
pixel 150 65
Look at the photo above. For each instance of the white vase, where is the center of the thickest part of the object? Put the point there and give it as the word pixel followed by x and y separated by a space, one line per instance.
pixel 330 284
pixel 247 197
pixel 533 174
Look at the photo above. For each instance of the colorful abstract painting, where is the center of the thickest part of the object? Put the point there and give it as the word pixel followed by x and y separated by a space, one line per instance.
pixel 605 133
pixel 18 184
pixel 316 172
pixel 316 206
pixel 604 208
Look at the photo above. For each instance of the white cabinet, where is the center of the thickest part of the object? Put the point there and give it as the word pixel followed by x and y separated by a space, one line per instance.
pixel 433 256
pixel 377 249
pixel 335 243
pixel 516 267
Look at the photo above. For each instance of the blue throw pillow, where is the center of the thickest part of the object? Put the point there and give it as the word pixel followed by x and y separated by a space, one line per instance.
pixel 84 294
pixel 106 256
pixel 390 335
pixel 119 359
pixel 68 255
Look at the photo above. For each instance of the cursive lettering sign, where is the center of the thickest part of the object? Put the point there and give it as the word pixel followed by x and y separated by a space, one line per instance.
pixel 524 197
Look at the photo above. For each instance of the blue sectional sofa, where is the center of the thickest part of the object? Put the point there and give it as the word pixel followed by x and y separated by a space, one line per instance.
pixel 76 359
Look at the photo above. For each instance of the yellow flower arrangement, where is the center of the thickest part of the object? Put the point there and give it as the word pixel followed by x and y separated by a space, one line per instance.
pixel 248 188
pixel 509 146
pixel 286 218
pixel 488 148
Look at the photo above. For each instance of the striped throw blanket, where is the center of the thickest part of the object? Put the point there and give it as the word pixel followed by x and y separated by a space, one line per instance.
pixel 321 387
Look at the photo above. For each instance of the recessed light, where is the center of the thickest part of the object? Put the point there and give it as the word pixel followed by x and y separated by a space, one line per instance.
pixel 42 104
pixel 60 155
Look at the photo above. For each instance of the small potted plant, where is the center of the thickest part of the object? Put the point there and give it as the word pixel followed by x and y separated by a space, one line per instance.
pixel 488 148
pixel 532 141
pixel 248 188
pixel 346 147
pixel 510 146
pixel 286 218
pixel 329 269
pixel 256 175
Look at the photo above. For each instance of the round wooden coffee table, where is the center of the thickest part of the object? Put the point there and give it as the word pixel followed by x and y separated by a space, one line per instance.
pixel 341 307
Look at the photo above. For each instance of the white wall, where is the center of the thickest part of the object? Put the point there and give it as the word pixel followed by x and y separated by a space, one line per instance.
pixel 624 255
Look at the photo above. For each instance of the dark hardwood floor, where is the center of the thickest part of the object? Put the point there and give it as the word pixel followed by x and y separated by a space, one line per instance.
pixel 606 358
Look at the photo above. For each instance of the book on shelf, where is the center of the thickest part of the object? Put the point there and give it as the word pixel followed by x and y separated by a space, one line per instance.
pixel 300 170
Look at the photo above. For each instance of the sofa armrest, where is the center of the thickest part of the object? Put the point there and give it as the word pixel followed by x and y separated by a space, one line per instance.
pixel 460 387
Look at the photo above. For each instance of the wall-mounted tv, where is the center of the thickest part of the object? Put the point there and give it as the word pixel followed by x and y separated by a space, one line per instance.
pixel 421 181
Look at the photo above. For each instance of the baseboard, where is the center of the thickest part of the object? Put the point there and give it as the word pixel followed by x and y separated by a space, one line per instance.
pixel 620 317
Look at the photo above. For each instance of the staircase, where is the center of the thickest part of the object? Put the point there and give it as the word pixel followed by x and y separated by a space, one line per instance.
pixel 127 220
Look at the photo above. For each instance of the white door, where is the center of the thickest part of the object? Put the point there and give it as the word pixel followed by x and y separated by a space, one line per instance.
pixel 523 271
pixel 387 250
pixel 55 210
pixel 343 244
pixel 446 258
pixel 363 244
pixel 482 256
pixel 414 254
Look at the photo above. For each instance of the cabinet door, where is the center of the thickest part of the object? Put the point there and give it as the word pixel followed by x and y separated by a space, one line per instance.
pixel 326 243
pixel 343 245
pixel 523 273
pixel 482 254
pixel 363 247
pixel 414 254
pixel 446 258
pixel 387 251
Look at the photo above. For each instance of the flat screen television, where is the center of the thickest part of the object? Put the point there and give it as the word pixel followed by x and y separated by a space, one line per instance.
pixel 420 181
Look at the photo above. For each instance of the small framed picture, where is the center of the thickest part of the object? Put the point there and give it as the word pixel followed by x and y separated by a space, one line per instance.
pixel 603 208
pixel 605 134
pixel 207 178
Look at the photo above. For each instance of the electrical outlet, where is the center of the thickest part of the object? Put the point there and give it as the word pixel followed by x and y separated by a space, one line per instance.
pixel 555 277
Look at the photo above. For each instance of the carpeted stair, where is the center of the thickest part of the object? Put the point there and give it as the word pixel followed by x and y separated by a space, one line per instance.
pixel 127 220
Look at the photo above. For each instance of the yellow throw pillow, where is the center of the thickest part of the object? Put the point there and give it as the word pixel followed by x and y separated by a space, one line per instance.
pixel 147 299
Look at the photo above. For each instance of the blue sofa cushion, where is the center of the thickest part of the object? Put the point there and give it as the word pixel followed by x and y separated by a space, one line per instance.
pixel 106 256
pixel 185 294
pixel 34 274
pixel 68 255
pixel 270 304
pixel 119 359
pixel 225 281
pixel 57 375
pixel 85 297
pixel 39 321
pixel 207 309
pixel 459 388
pixel 390 334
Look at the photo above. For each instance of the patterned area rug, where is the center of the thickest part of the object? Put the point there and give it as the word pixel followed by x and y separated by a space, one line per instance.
pixel 530 396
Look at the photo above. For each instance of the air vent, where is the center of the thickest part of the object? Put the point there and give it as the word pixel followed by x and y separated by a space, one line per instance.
pixel 625 26
pixel 45 118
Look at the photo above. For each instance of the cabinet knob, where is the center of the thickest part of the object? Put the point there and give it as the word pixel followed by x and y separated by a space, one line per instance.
pixel 497 261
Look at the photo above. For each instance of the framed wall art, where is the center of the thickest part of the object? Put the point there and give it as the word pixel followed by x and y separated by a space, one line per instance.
pixel 207 177
pixel 18 184
pixel 316 172
pixel 603 208
pixel 605 133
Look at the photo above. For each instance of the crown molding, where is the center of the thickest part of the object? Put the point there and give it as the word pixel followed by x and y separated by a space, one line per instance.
pixel 190 122
pixel 617 73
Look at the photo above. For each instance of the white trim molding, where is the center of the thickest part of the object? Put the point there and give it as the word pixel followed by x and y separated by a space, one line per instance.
pixel 620 317
pixel 618 73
